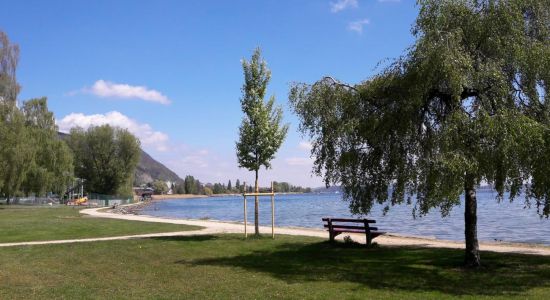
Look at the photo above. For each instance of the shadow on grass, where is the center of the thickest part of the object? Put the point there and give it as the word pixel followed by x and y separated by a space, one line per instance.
pixel 401 268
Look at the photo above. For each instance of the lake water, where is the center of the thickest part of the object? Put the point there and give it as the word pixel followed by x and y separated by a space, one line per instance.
pixel 505 221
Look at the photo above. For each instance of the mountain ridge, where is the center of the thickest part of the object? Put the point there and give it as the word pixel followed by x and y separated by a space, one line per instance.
pixel 148 168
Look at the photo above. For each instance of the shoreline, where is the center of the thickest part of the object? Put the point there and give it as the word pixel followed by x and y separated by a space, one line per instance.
pixel 389 239
pixel 138 212
pixel 176 196
pixel 193 196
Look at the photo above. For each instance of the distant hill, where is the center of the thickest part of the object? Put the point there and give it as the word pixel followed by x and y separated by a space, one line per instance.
pixel 148 169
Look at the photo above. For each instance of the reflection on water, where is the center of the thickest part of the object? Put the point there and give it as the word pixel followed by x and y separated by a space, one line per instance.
pixel 505 221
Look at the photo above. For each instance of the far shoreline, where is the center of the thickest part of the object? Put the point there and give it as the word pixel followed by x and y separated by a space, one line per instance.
pixel 176 196
pixel 194 196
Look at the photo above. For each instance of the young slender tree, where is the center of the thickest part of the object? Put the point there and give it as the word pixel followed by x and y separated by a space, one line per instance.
pixel 261 132
pixel 468 103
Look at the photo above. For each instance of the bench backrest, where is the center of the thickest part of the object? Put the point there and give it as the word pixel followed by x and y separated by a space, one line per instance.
pixel 332 223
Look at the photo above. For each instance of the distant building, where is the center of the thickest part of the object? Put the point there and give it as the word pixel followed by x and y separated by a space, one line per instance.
pixel 169 184
pixel 144 193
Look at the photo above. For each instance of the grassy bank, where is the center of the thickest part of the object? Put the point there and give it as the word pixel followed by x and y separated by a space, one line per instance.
pixel 226 266
pixel 25 223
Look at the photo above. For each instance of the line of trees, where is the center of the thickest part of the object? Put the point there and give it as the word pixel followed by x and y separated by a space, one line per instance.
pixel 34 160
pixel 190 185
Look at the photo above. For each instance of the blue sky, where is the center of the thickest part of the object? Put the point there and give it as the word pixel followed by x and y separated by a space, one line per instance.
pixel 170 71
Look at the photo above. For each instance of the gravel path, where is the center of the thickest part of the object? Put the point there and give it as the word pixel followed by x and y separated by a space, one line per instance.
pixel 215 227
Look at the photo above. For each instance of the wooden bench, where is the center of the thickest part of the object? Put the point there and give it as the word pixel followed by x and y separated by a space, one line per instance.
pixel 336 226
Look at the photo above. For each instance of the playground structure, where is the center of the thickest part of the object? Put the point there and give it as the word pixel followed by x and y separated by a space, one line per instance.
pixel 257 194
pixel 79 201
pixel 75 193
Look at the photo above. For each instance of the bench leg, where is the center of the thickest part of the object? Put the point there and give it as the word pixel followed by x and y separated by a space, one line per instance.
pixel 369 239
pixel 331 236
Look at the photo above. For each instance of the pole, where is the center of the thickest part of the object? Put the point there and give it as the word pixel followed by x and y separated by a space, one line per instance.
pixel 244 195
pixel 272 212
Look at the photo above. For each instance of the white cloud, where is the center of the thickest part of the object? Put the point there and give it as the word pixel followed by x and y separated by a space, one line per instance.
pixel 389 1
pixel 357 26
pixel 149 138
pixel 303 145
pixel 343 4
pixel 205 164
pixel 107 89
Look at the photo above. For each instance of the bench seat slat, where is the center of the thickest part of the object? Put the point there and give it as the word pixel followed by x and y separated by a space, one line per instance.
pixel 337 226
pixel 349 220
pixel 373 233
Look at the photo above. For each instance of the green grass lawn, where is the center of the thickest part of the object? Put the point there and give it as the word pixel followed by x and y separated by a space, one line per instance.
pixel 27 223
pixel 229 267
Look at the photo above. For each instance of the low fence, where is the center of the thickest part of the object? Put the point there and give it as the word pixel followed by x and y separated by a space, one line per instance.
pixel 93 200
pixel 32 200
pixel 108 200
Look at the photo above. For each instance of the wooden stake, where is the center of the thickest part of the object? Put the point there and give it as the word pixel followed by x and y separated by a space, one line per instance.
pixel 272 212
pixel 244 194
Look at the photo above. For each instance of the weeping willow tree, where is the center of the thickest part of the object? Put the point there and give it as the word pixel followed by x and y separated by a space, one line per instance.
pixel 467 104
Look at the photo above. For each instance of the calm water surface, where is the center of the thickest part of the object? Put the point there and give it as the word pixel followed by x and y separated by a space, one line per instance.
pixel 505 221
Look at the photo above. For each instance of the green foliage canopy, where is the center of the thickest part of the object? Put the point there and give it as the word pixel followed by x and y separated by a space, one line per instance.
pixel 9 58
pixel 261 133
pixel 32 158
pixel 16 150
pixel 468 103
pixel 160 187
pixel 52 166
pixel 105 157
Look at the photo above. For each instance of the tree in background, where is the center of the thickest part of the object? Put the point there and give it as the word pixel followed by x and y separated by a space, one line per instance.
pixel 468 103
pixel 261 133
pixel 159 187
pixel 217 188
pixel 180 188
pixel 238 185
pixel 16 150
pixel 51 170
pixel 106 157
pixel 189 183
pixel 32 158
pixel 208 191
pixel 9 58
pixel 285 187
pixel 229 188
pixel 199 189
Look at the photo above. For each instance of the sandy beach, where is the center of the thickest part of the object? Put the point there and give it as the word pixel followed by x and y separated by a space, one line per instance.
pixel 216 227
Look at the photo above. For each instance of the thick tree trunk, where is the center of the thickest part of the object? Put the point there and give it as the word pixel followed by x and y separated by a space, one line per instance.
pixel 256 208
pixel 8 200
pixel 471 259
